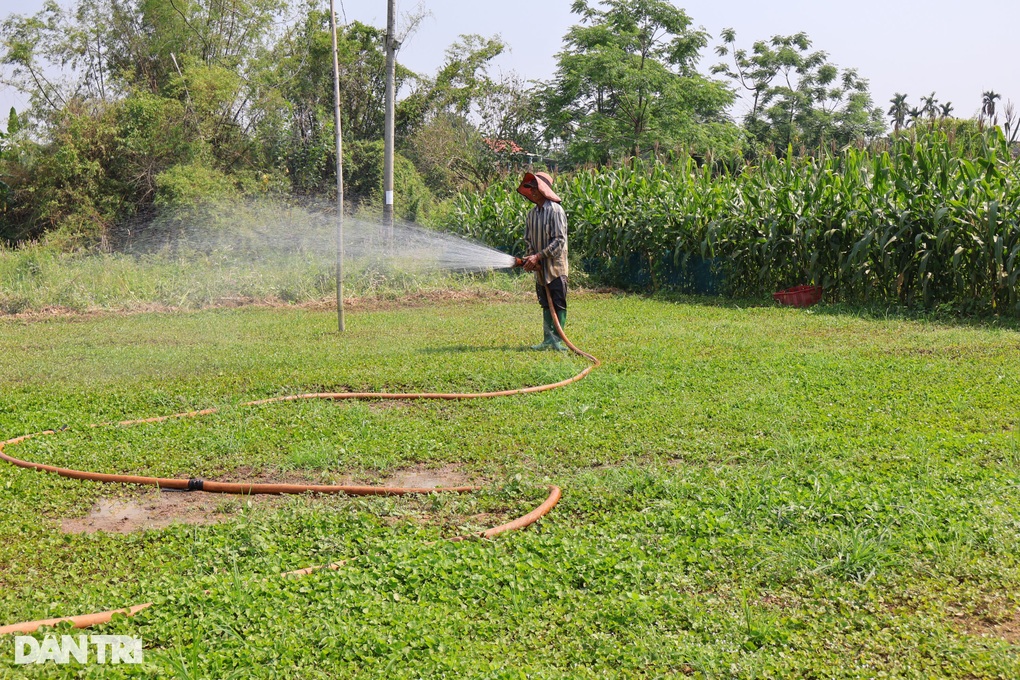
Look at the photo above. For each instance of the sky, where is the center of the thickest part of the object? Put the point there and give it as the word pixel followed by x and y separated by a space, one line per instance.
pixel 953 48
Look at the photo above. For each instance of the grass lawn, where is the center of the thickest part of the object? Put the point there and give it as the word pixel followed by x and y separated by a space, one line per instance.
pixel 747 492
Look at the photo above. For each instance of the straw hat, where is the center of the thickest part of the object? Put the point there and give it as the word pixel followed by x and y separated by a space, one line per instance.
pixel 543 182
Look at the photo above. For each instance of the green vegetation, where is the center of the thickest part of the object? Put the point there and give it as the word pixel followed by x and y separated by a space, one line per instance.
pixel 799 99
pixel 748 492
pixel 163 105
pixel 165 108
pixel 918 224
pixel 627 83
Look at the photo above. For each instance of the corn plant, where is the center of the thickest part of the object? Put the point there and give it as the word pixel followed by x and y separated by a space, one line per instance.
pixel 917 224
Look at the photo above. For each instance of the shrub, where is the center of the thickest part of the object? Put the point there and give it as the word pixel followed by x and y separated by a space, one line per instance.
pixel 185 186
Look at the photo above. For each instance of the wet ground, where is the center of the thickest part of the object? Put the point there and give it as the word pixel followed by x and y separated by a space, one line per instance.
pixel 161 508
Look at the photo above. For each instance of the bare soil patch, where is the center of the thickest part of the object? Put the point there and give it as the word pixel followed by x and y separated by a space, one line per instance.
pixel 1008 630
pixel 249 475
pixel 158 510
pixel 992 615
pixel 162 508
pixel 422 477
pixel 451 474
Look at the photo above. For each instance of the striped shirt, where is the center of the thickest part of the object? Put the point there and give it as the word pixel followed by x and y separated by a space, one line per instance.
pixel 546 234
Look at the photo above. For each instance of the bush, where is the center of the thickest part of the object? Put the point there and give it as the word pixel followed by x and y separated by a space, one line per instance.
pixel 185 186
pixel 363 182
pixel 98 168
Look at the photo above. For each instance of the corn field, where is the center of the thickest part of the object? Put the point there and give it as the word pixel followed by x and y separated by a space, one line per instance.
pixel 917 224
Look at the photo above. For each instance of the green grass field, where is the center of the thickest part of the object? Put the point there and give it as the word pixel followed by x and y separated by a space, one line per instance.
pixel 748 492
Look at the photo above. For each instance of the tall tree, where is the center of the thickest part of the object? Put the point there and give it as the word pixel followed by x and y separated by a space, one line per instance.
pixel 988 100
pixel 30 48
pixel 296 130
pixel 103 48
pixel 799 97
pixel 151 35
pixel 626 82
pixel 898 110
pixel 464 88
pixel 930 106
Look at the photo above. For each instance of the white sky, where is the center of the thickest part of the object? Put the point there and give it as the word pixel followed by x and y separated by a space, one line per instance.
pixel 956 49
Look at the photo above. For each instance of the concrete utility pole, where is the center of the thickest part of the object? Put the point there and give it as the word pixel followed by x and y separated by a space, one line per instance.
pixel 339 177
pixel 391 95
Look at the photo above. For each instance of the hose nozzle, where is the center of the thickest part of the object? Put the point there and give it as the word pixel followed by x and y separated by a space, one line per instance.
pixel 518 262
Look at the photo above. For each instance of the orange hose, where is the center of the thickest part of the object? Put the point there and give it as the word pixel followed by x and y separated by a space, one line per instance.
pixel 221 487
pixel 83 621
pixel 87 620
pixel 563 336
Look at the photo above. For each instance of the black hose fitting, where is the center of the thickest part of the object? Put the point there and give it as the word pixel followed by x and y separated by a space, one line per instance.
pixel 195 485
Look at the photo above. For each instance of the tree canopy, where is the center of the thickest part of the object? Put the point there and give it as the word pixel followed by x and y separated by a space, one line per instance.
pixel 626 82
pixel 798 97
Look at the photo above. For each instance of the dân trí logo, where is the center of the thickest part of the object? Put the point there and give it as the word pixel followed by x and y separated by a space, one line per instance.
pixel 100 649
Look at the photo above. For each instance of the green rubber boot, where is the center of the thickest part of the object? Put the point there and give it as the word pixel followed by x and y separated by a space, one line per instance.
pixel 557 343
pixel 548 330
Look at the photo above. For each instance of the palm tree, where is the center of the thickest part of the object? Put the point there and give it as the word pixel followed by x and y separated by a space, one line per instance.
pixel 898 111
pixel 914 114
pixel 930 106
pixel 988 106
pixel 946 110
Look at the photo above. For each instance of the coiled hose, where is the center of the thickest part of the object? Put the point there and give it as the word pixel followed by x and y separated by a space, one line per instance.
pixel 87 620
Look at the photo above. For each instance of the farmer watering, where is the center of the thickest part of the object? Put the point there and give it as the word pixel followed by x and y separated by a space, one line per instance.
pixel 546 237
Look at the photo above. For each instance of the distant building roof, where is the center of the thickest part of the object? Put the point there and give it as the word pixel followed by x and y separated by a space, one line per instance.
pixel 505 146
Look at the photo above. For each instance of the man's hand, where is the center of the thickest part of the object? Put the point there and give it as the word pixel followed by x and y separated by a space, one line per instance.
pixel 532 263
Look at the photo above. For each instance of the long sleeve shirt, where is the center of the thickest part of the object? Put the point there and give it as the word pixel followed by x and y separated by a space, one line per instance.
pixel 546 235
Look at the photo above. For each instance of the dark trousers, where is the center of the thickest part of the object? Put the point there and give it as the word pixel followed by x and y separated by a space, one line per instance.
pixel 558 289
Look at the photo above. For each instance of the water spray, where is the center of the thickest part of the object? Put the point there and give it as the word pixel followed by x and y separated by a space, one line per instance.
pixel 273 229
